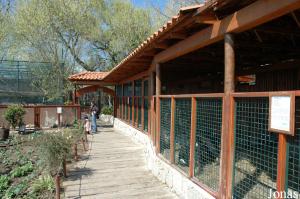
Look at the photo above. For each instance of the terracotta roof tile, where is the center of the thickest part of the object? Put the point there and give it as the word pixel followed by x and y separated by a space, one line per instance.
pixel 151 39
pixel 88 76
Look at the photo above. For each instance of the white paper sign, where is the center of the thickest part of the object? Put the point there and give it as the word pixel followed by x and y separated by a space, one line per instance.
pixel 280 113
pixel 59 109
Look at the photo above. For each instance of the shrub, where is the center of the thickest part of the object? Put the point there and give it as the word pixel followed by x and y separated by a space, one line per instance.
pixel 16 190
pixel 4 183
pixel 14 114
pixel 22 170
pixel 43 184
pixel 106 110
pixel 52 149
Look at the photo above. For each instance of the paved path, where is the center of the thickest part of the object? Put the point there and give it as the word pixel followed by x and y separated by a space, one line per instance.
pixel 114 167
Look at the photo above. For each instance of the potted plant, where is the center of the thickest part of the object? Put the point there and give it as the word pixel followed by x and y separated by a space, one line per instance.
pixel 14 115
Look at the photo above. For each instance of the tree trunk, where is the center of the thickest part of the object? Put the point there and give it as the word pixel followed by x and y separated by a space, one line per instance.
pixel 57 186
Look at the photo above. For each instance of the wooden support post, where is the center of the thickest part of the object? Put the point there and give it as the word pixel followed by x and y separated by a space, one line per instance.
pixel 142 107
pixel 158 92
pixel 227 144
pixel 172 136
pixel 192 136
pixel 128 108
pixel 59 119
pixel 151 93
pixel 133 101
pixel 282 159
pixel 57 186
pixel 37 117
pixel 65 168
pixel 115 106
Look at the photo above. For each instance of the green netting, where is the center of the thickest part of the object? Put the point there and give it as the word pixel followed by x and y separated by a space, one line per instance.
pixel 165 123
pixel 293 164
pixel 139 112
pixel 255 164
pixel 182 133
pixel 208 142
pixel 20 82
pixel 146 114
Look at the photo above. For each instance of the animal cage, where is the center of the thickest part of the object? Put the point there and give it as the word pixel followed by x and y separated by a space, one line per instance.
pixel 182 131
pixel 165 118
pixel 208 141
pixel 255 159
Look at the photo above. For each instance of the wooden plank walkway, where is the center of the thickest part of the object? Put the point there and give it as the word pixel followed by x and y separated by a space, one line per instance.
pixel 114 167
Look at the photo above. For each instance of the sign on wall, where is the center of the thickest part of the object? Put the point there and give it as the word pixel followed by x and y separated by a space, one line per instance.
pixel 282 113
pixel 59 110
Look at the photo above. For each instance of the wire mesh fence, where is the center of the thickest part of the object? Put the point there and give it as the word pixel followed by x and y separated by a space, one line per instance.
pixel 139 116
pixel 146 106
pixel 182 131
pixel 20 82
pixel 208 141
pixel 165 124
pixel 293 164
pixel 130 109
pixel 255 164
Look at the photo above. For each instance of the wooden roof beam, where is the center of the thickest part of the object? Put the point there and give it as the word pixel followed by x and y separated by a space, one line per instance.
pixel 177 36
pixel 160 46
pixel 206 19
pixel 296 19
pixel 253 15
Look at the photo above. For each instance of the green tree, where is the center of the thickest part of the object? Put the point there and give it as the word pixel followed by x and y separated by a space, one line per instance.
pixel 91 35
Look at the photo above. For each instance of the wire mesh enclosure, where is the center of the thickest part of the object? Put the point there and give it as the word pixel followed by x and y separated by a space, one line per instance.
pixel 293 164
pixel 182 131
pixel 208 141
pixel 255 164
pixel 136 100
pixel 130 109
pixel 165 124
pixel 126 105
pixel 146 106
pixel 139 116
pixel 21 81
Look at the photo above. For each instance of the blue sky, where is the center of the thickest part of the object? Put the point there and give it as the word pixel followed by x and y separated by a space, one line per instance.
pixel 145 3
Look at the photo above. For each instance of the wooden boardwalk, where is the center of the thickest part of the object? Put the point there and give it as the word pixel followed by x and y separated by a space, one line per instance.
pixel 114 167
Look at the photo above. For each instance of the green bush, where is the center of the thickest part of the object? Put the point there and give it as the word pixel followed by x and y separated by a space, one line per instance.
pixel 22 170
pixel 43 184
pixel 4 183
pixel 52 150
pixel 14 191
pixel 106 110
pixel 14 114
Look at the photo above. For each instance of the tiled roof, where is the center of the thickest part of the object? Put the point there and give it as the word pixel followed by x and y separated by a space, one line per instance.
pixel 88 76
pixel 148 43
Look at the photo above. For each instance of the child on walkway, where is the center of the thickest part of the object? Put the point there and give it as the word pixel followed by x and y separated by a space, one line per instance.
pixel 87 126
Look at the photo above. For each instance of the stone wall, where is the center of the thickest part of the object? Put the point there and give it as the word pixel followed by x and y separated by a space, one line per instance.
pixel 178 183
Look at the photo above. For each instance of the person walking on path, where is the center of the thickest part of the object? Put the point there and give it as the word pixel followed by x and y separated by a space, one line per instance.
pixel 94 111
